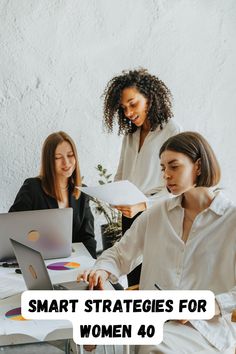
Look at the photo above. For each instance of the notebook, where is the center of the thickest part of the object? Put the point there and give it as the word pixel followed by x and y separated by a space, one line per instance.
pixel 35 273
pixel 49 231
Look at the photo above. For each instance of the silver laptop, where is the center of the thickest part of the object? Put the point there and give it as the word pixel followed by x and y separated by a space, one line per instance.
pixel 35 273
pixel 49 231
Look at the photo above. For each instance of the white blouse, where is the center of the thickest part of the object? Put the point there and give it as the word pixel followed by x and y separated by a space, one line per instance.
pixel 207 261
pixel 142 168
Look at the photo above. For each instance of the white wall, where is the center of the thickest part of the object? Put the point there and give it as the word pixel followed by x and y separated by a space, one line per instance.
pixel 56 57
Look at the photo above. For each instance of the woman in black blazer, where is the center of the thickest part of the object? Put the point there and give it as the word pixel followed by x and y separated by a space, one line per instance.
pixel 55 188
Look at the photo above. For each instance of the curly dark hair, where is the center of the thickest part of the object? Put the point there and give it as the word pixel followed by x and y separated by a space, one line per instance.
pixel 157 93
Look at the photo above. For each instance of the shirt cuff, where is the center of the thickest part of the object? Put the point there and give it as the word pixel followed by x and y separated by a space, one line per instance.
pixel 226 302
pixel 114 274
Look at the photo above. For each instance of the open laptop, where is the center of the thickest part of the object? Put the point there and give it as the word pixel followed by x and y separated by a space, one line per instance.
pixel 49 231
pixel 35 273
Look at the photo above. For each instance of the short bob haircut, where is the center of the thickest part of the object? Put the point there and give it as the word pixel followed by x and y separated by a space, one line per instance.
pixel 158 96
pixel 196 147
pixel 47 170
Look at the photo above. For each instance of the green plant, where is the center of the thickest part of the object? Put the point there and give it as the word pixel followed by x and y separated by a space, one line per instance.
pixel 113 217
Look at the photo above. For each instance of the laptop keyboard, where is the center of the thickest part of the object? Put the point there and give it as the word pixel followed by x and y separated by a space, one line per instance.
pixel 71 285
pixel 59 287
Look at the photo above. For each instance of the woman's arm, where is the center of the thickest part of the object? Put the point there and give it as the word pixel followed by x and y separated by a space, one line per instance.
pixel 129 211
pixel 227 301
pixel 122 257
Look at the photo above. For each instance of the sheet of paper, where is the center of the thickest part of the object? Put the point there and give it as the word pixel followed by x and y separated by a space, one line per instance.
pixel 116 193
pixel 33 328
pixel 10 285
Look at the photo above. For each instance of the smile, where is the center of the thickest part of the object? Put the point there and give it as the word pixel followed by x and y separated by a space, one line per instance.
pixel 134 119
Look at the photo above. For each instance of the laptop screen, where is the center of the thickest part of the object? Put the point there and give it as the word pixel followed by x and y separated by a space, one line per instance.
pixel 32 267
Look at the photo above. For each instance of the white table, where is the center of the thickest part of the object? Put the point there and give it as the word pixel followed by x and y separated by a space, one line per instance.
pixel 11 286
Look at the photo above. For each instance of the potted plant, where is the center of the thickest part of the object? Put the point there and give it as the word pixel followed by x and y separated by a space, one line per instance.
pixel 111 232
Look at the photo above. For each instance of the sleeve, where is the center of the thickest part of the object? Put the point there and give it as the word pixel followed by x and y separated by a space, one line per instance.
pixel 227 301
pixel 24 198
pixel 87 229
pixel 123 256
pixel 219 331
pixel 220 326
pixel 119 172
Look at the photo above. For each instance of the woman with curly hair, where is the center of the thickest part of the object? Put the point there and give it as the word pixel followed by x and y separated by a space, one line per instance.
pixel 141 104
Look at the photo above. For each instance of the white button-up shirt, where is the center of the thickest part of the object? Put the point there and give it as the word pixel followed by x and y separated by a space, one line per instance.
pixel 142 168
pixel 207 261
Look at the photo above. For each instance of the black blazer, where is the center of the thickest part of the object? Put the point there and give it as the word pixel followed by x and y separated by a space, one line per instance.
pixel 31 196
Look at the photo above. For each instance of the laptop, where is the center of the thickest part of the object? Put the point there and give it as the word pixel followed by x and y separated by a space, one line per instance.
pixel 35 273
pixel 49 231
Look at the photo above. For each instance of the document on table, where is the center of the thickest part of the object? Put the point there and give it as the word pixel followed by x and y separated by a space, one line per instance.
pixel 38 329
pixel 116 193
pixel 10 285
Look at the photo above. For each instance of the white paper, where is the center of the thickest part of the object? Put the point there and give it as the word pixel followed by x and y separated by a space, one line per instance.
pixel 33 328
pixel 116 193
pixel 12 283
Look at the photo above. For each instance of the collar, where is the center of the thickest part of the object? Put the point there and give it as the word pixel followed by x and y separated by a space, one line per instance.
pixel 219 204
pixel 174 202
pixel 158 129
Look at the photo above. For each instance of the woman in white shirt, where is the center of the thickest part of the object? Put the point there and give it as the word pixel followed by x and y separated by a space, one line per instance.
pixel 187 242
pixel 141 104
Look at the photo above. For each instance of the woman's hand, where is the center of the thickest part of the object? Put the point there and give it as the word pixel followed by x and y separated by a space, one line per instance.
pixel 95 278
pixel 89 348
pixel 129 211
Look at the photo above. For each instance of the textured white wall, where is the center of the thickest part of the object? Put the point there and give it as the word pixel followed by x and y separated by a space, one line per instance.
pixel 56 57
